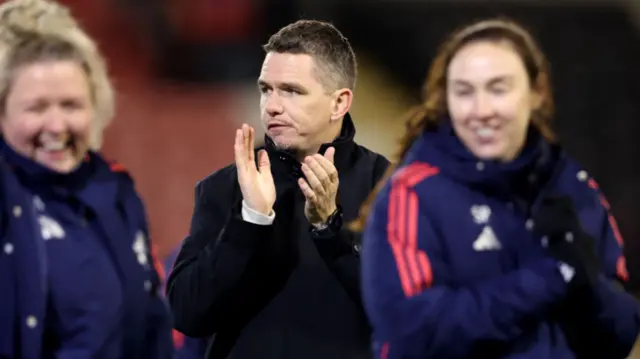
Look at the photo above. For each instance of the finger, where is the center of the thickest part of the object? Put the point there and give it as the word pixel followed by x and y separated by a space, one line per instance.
pixel 265 168
pixel 239 150
pixel 245 139
pixel 328 167
pixel 312 180
pixel 318 169
pixel 251 150
pixel 263 162
pixel 329 153
pixel 308 193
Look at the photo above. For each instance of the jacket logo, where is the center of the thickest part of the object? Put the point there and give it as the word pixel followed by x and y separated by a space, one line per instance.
pixel 140 249
pixel 567 271
pixel 487 240
pixel 481 213
pixel 50 229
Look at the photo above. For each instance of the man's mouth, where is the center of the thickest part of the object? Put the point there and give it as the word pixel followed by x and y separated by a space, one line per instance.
pixel 276 125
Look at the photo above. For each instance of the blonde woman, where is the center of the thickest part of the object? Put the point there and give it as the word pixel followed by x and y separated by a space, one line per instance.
pixel 76 273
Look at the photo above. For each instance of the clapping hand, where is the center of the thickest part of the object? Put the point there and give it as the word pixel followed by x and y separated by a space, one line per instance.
pixel 256 182
pixel 320 187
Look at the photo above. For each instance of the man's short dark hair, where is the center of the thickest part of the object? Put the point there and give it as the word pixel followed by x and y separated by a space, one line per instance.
pixel 331 51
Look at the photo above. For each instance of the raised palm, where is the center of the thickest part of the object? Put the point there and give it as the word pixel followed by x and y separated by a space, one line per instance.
pixel 256 182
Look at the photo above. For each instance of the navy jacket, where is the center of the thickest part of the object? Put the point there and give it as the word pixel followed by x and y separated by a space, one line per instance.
pixel 452 267
pixel 76 274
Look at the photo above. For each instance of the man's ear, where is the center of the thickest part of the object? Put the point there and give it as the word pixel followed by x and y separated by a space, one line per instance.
pixel 341 103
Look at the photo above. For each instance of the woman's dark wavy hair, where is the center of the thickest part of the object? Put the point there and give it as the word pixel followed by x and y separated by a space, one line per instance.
pixel 427 115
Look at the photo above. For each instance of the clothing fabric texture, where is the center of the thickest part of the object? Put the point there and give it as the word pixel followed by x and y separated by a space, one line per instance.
pixel 275 291
pixel 76 272
pixel 454 265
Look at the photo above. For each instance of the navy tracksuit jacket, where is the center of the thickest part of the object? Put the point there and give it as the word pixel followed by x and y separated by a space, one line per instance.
pixel 452 267
pixel 76 275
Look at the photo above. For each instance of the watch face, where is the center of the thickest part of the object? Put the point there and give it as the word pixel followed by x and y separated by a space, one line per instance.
pixel 356 248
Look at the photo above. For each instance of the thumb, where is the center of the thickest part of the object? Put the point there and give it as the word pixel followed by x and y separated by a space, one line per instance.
pixel 328 154
pixel 263 161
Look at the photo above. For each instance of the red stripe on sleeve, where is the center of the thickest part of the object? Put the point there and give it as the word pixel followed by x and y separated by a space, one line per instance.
pixel 384 351
pixel 414 267
pixel 621 268
pixel 117 167
pixel 621 264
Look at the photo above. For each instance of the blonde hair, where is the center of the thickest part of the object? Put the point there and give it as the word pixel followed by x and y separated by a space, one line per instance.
pixel 37 30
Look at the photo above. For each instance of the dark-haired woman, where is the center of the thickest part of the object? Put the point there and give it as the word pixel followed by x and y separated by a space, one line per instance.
pixel 487 240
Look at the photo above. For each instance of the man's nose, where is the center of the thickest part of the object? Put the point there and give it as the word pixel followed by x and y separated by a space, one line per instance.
pixel 273 104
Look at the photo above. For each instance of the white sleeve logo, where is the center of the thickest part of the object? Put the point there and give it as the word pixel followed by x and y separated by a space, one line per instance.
pixel 140 249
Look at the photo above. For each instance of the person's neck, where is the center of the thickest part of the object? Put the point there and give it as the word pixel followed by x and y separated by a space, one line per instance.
pixel 327 137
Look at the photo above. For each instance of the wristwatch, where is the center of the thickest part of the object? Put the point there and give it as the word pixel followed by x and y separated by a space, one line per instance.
pixel 331 227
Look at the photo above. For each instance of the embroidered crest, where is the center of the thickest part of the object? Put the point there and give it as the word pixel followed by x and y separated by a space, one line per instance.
pixel 481 213
pixel 50 228
pixel 487 240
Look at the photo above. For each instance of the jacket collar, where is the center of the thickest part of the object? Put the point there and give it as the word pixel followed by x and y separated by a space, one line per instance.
pixel 535 165
pixel 38 178
pixel 284 164
pixel 45 181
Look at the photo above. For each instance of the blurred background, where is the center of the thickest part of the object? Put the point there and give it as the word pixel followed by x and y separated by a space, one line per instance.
pixel 185 72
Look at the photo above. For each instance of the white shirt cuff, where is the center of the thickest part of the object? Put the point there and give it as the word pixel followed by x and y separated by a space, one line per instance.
pixel 252 216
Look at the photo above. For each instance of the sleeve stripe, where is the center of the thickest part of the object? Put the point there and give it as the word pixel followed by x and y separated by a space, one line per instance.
pixel 621 268
pixel 384 351
pixel 117 167
pixel 616 231
pixel 396 246
pixel 413 264
pixel 621 264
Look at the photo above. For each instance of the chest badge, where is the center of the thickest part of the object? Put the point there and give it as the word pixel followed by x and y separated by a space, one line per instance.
pixel 50 228
pixel 487 240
